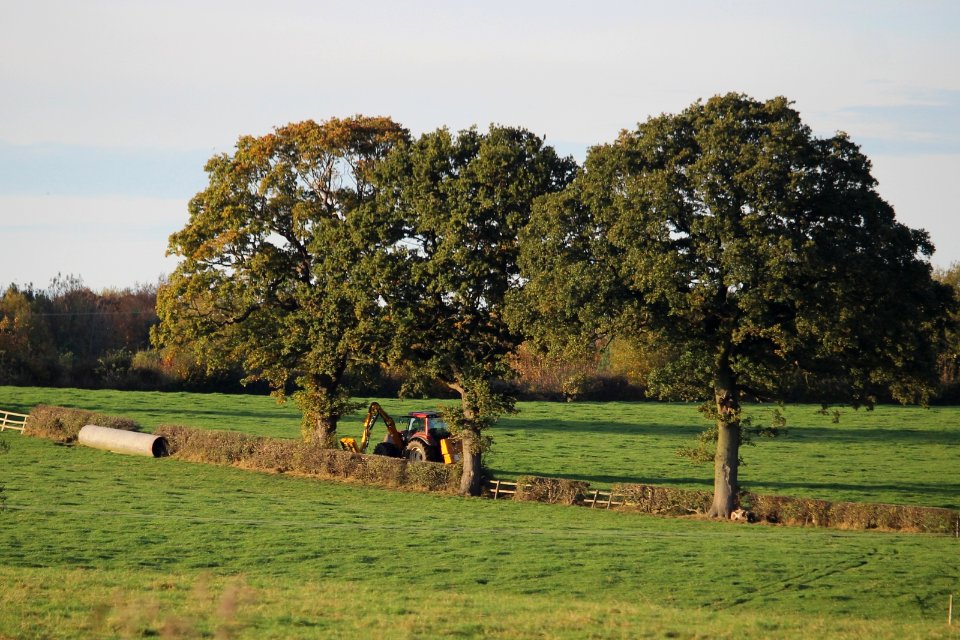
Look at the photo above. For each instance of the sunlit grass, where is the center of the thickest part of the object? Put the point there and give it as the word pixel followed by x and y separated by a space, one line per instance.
pixel 903 455
pixel 103 545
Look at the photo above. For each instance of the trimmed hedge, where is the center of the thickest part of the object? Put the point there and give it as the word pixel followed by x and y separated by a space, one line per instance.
pixel 62 424
pixel 794 511
pixel 550 490
pixel 663 500
pixel 303 458
pixel 850 515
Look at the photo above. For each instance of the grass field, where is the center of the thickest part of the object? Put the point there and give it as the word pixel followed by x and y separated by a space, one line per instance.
pixel 903 455
pixel 94 544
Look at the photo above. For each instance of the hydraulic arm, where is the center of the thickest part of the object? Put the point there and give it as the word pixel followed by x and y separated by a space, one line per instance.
pixel 373 413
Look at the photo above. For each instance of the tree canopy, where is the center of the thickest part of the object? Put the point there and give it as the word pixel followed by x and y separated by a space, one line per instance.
pixel 753 256
pixel 281 262
pixel 754 252
pixel 461 200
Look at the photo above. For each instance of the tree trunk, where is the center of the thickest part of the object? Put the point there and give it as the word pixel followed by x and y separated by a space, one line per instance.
pixel 471 476
pixel 725 465
pixel 321 409
pixel 727 458
pixel 325 434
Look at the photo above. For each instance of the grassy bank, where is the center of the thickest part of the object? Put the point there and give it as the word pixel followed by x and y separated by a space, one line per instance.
pixel 902 455
pixel 102 545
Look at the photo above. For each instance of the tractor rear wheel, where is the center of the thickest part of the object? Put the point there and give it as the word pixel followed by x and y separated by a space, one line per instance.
pixel 417 450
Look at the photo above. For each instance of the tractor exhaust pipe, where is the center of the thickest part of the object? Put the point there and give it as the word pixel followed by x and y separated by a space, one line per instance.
pixel 120 441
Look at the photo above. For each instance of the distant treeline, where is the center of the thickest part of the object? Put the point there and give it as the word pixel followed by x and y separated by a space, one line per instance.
pixel 70 336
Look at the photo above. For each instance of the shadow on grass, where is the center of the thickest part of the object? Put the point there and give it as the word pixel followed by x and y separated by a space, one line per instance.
pixel 948 492
pixel 601 427
pixel 844 435
pixel 838 434
pixel 244 413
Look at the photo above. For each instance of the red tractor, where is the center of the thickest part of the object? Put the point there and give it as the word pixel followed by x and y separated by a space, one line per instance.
pixel 426 437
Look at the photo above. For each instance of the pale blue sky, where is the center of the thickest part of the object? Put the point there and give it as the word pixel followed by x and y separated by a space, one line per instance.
pixel 109 108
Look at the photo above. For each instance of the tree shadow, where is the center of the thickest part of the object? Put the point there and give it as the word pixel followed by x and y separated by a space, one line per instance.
pixel 600 427
pixel 235 413
pixel 948 491
pixel 846 435
pixel 838 434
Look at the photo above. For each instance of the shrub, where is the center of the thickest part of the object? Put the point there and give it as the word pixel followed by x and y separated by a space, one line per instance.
pixel 851 515
pixel 314 460
pixel 550 490
pixel 306 458
pixel 200 445
pixel 62 424
pixel 663 500
pixel 272 454
pixel 175 435
pixel 381 470
pixel 431 476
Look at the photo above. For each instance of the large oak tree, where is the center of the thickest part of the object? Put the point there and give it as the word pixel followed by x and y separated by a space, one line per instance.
pixel 758 255
pixel 461 200
pixel 282 261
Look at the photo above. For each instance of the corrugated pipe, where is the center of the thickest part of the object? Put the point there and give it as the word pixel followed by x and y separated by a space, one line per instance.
pixel 120 441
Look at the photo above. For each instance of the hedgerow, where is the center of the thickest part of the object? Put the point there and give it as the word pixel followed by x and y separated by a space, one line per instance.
pixel 277 455
pixel 794 511
pixel 550 490
pixel 304 458
pixel 62 424
pixel 663 500
pixel 850 515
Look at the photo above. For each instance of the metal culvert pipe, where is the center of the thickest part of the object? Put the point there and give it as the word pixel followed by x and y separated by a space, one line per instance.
pixel 120 441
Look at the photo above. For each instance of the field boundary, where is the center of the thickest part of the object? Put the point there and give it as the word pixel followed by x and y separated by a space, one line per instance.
pixel 594 498
pixel 500 489
pixel 13 421
pixel 603 499
pixel 278 455
pixel 757 508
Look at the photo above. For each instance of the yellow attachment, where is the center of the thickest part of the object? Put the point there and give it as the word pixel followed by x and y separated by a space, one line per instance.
pixel 450 453
pixel 375 411
pixel 349 444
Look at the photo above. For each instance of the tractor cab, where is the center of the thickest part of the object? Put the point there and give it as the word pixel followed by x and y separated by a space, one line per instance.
pixel 427 426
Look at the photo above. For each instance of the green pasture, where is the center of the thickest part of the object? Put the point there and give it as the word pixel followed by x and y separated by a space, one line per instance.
pixel 893 454
pixel 99 545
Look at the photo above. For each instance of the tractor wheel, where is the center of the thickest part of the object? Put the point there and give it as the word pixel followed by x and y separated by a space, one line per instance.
pixel 386 449
pixel 417 450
